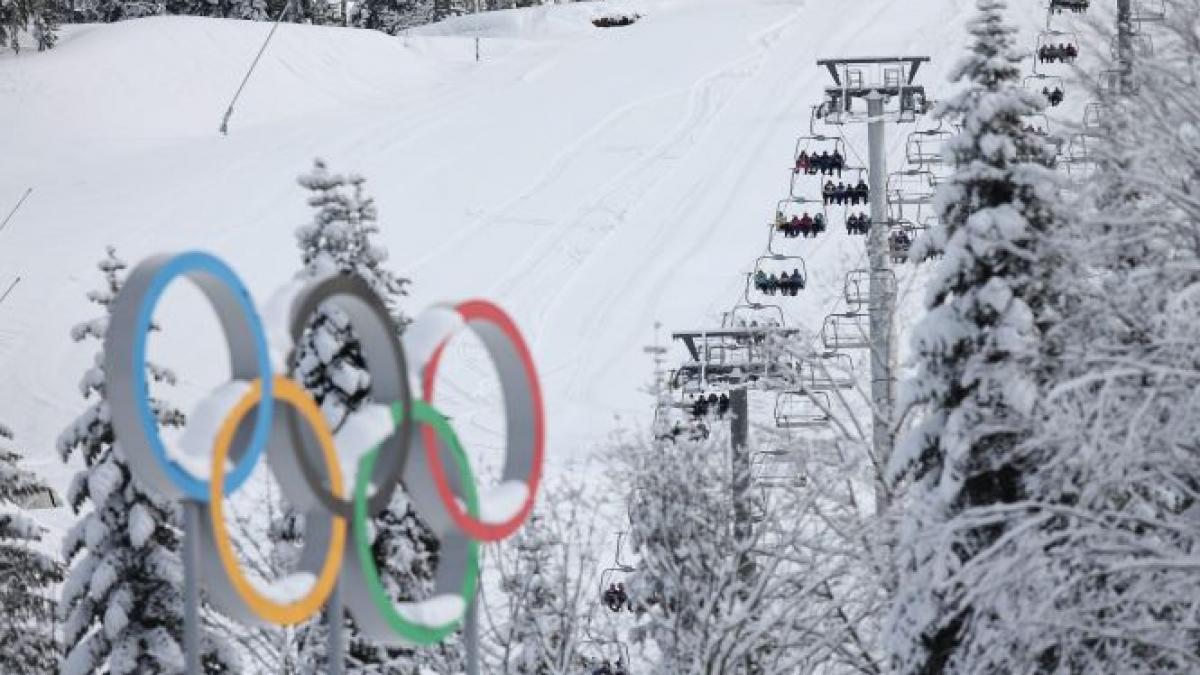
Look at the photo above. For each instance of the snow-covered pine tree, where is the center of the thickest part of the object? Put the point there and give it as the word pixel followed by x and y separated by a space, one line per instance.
pixel 329 362
pixel 28 643
pixel 391 16
pixel 122 603
pixel 1099 582
pixel 979 357
pixel 38 17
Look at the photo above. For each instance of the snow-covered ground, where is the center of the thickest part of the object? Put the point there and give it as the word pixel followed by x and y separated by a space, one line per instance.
pixel 591 181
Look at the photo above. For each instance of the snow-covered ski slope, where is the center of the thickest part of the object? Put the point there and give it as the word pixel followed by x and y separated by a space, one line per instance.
pixel 591 181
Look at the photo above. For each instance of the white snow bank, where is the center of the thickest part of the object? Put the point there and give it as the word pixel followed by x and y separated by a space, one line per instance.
pixel 436 611
pixel 286 590
pixel 194 450
pixel 528 23
pixel 502 502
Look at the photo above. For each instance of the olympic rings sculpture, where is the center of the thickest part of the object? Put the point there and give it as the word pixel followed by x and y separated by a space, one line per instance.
pixel 260 412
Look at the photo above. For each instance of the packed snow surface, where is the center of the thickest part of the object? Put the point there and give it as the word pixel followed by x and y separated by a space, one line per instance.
pixel 590 181
pixel 436 611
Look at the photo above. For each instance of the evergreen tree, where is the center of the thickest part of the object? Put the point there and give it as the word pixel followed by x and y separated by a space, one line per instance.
pixel 39 17
pixel 329 363
pixel 390 16
pixel 979 355
pixel 121 606
pixel 27 629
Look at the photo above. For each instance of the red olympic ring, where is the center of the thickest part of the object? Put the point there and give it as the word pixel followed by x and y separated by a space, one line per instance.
pixel 484 312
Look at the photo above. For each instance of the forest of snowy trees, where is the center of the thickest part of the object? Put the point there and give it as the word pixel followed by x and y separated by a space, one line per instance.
pixel 40 19
pixel 1040 512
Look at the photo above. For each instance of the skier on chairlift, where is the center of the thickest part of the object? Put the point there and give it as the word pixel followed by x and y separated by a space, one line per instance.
pixel 803 163
pixel 862 193
pixel 841 193
pixel 837 162
pixel 806 224
pixel 829 192
pixel 818 224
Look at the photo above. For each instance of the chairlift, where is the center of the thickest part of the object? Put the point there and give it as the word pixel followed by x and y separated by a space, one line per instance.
pixel 802 410
pixel 1093 118
pixel 1141 44
pixel 1078 159
pixel 798 218
pixel 927 147
pixel 777 470
pixel 913 187
pixel 845 331
pixel 1053 87
pixel 811 146
pixel 607 650
pixel 900 242
pixel 754 316
pixel 831 370
pixel 1055 46
pixel 1149 11
pixel 858 285
pixel 618 567
pixel 765 281
pixel 1076 6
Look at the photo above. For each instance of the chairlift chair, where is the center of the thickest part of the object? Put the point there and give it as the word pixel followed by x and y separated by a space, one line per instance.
pixel 1141 43
pixel 1049 39
pixel 1046 85
pixel 832 370
pixel 763 268
pixel 926 147
pixel 796 207
pixel 900 242
pixel 1149 11
pixel 1109 83
pixel 1061 6
pixel 802 410
pixel 858 285
pixel 912 187
pixel 845 331
pixel 605 648
pixel 754 316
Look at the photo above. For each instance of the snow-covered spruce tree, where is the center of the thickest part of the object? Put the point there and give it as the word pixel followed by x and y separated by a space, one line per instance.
pixel 27 628
pixel 37 17
pixel 979 359
pixel 329 362
pixel 391 16
pixel 1103 580
pixel 122 604
pixel 547 600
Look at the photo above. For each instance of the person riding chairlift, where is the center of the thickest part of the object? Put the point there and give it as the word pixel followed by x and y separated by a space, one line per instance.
pixel 829 192
pixel 803 163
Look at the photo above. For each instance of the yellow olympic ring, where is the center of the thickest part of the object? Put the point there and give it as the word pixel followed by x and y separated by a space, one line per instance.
pixel 264 607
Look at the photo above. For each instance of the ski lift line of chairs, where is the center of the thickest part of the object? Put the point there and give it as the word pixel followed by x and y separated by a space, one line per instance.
pixel 1075 6
pixel 802 410
pixel 858 286
pixel 1050 86
pixel 783 283
pixel 927 147
pixel 845 331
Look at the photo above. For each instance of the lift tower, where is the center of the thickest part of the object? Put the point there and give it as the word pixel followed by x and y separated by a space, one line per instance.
pixel 887 86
